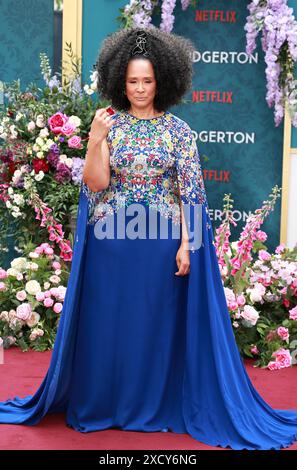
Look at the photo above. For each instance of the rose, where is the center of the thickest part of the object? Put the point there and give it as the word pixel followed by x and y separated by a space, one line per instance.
pixel 3 274
pixel 262 236
pixel 68 128
pixel 23 311
pixel 33 320
pixel 282 359
pixel 283 333
pixel 21 295
pixel 293 313
pixel 75 142
pixel 32 287
pixel 250 315
pixel 56 122
pixel 57 307
pixel 48 302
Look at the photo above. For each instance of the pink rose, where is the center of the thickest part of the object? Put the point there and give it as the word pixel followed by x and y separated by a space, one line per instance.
pixel 293 313
pixel 58 307
pixel 56 122
pixel 40 296
pixel 280 248
pixel 23 311
pixel 68 128
pixel 264 255
pixel 240 300
pixel 283 333
pixel 2 286
pixel 283 357
pixel 3 274
pixel 272 365
pixel 48 302
pixel 56 265
pixel 75 142
pixel 21 295
pixel 254 349
pixel 48 250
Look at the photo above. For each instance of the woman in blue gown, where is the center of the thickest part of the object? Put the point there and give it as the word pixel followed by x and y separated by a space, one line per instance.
pixel 145 341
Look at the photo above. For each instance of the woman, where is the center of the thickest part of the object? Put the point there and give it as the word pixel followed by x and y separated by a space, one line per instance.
pixel 145 340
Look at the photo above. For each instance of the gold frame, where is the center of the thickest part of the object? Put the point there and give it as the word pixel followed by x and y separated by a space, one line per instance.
pixel 72 32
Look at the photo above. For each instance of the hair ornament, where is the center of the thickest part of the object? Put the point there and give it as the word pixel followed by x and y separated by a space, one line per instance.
pixel 140 46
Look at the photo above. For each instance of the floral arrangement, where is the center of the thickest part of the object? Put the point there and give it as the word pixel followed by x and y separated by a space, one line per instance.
pixel 260 288
pixel 273 18
pixel 44 135
pixel 32 292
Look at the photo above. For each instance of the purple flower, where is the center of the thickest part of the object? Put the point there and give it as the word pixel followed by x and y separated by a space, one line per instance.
pixel 63 173
pixel 77 169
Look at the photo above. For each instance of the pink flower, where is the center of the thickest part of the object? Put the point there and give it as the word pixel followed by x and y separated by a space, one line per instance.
pixel 40 296
pixel 272 365
pixel 48 302
pixel 48 251
pixel 56 122
pixel 283 333
pixel 58 307
pixel 75 142
pixel 250 315
pixel 293 313
pixel 240 300
pixel 21 295
pixel 23 311
pixel 262 236
pixel 280 248
pixel 254 349
pixel 264 255
pixel 283 357
pixel 68 128
pixel 3 274
pixel 2 286
pixel 47 293
pixel 56 265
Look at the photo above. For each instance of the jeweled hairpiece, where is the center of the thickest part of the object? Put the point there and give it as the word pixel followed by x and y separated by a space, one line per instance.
pixel 140 47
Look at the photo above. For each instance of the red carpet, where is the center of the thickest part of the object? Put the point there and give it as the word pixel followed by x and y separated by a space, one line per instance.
pixel 22 373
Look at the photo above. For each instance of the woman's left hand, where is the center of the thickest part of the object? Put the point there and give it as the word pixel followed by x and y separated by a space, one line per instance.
pixel 183 259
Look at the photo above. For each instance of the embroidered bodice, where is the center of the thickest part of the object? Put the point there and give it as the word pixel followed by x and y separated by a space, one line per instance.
pixel 153 161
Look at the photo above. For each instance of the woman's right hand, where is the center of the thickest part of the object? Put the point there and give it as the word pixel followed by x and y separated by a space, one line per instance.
pixel 101 124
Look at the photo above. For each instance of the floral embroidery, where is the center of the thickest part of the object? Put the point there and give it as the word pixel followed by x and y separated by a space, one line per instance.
pixel 154 162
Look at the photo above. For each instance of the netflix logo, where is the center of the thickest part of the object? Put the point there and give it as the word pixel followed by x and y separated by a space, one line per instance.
pixel 223 176
pixel 220 16
pixel 208 96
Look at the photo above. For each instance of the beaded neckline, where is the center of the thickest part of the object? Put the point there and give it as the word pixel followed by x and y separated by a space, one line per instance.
pixel 145 119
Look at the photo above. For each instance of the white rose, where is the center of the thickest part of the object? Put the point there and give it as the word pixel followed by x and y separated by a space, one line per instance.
pixel 49 142
pixel 39 176
pixel 55 279
pixel 33 320
pixel 40 121
pixel 44 132
pixel 31 126
pixel 46 285
pixel 19 263
pixel 32 287
pixel 40 155
pixel 32 266
pixel 75 120
pixel 250 315
pixel 12 272
pixel 35 147
pixel 18 199
pixel 33 254
pixel 10 190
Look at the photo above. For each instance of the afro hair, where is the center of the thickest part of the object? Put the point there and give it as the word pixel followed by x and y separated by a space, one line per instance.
pixel 171 58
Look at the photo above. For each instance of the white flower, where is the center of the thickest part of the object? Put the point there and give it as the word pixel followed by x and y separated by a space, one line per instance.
pixel 67 161
pixel 40 121
pixel 17 174
pixel 44 132
pixel 18 116
pixel 75 120
pixel 88 90
pixel 8 204
pixel 33 320
pixel 39 176
pixel 49 142
pixel 12 272
pixel 40 155
pixel 18 199
pixel 32 266
pixel 39 141
pixel 46 285
pixel 19 263
pixel 27 183
pixel 10 190
pixel 21 295
pixel 35 147
pixel 33 254
pixel 31 126
pixel 250 315
pixel 55 279
pixel 32 287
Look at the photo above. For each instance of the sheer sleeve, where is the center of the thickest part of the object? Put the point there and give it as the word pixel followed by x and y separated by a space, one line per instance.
pixel 188 168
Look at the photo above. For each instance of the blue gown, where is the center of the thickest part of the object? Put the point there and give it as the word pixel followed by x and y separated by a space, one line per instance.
pixel 137 347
